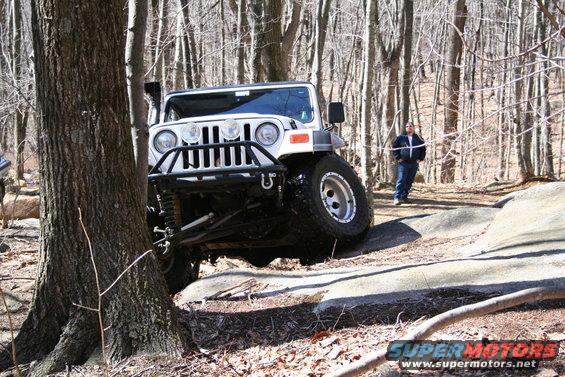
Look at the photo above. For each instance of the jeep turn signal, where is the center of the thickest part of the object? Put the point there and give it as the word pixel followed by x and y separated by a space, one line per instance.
pixel 299 138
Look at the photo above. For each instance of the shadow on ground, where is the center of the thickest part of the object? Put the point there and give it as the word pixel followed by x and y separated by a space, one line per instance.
pixel 216 326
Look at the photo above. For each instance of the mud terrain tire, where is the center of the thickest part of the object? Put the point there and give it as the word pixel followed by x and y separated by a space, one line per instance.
pixel 328 203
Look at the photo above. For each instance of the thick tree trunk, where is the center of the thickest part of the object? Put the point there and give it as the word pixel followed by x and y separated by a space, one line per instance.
pixel 135 73
pixel 86 162
pixel 454 54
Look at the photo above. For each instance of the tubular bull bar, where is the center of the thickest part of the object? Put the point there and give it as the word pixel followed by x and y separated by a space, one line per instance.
pixel 256 171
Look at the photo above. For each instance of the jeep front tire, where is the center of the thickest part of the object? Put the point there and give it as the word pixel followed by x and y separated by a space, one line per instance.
pixel 328 203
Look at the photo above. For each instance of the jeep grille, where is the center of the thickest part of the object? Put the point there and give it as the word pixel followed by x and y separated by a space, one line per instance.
pixel 220 157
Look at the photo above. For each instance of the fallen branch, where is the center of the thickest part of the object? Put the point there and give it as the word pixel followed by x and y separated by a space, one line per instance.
pixel 450 317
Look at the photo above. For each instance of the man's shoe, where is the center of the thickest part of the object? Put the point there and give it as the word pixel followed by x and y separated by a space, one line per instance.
pixel 407 201
pixel 396 202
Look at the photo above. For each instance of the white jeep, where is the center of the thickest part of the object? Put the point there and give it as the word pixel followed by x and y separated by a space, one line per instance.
pixel 248 171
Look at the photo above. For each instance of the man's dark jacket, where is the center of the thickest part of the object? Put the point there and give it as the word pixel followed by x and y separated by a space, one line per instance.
pixel 401 148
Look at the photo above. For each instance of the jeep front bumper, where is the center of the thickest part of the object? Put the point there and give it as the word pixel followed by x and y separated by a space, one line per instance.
pixel 200 166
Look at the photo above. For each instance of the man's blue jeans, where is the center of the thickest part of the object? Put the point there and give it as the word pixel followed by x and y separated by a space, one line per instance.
pixel 406 174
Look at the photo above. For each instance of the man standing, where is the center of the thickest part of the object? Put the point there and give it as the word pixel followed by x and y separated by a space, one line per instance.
pixel 408 149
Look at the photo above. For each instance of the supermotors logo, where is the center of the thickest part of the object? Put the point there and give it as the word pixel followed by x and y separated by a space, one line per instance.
pixel 458 354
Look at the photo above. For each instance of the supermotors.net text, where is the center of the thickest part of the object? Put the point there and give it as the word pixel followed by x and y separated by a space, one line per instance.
pixel 472 354
pixel 476 364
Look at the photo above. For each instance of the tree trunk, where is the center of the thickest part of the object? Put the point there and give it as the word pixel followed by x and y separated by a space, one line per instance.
pixel 176 82
pixel 522 134
pixel 135 73
pixel 222 44
pixel 545 108
pixel 366 100
pixel 389 53
pixel 86 162
pixel 239 51
pixel 322 18
pixel 159 73
pixel 20 116
pixel 191 50
pixel 257 40
pixel 407 62
pixel 273 37
pixel 454 54
pixel 289 36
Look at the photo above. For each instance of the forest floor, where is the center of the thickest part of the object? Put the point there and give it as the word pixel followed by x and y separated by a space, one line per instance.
pixel 252 335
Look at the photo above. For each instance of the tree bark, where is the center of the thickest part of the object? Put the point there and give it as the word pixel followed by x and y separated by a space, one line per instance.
pixel 454 54
pixel 86 161
pixel 366 99
pixel 545 108
pixel 191 50
pixel 257 40
pixel 407 62
pixel 273 38
pixel 289 36
pixel 20 116
pixel 135 74
pixel 389 53
pixel 522 120
pixel 322 18
pixel 240 51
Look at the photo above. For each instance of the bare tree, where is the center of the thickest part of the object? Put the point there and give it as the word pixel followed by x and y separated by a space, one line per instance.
pixel 21 113
pixel 322 18
pixel 240 51
pixel 135 73
pixel 407 62
pixel 454 54
pixel 366 98
pixel 389 50
pixel 522 119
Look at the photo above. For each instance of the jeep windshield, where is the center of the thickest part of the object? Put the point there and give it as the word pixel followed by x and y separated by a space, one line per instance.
pixel 290 102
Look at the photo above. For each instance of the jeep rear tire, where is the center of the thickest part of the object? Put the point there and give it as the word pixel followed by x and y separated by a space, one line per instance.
pixel 328 203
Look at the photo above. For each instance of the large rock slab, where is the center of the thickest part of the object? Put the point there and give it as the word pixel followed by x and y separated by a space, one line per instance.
pixel 531 220
pixel 457 222
pixel 524 246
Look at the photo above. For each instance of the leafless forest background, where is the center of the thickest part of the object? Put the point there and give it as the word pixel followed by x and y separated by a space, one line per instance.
pixel 483 80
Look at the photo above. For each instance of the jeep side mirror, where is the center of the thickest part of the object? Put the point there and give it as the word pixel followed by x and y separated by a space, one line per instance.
pixel 335 113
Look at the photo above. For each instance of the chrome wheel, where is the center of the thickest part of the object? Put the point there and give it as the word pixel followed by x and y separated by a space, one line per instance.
pixel 337 197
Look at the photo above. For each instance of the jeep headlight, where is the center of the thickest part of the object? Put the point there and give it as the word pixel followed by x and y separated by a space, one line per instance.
pixel 191 133
pixel 164 141
pixel 267 134
pixel 230 129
